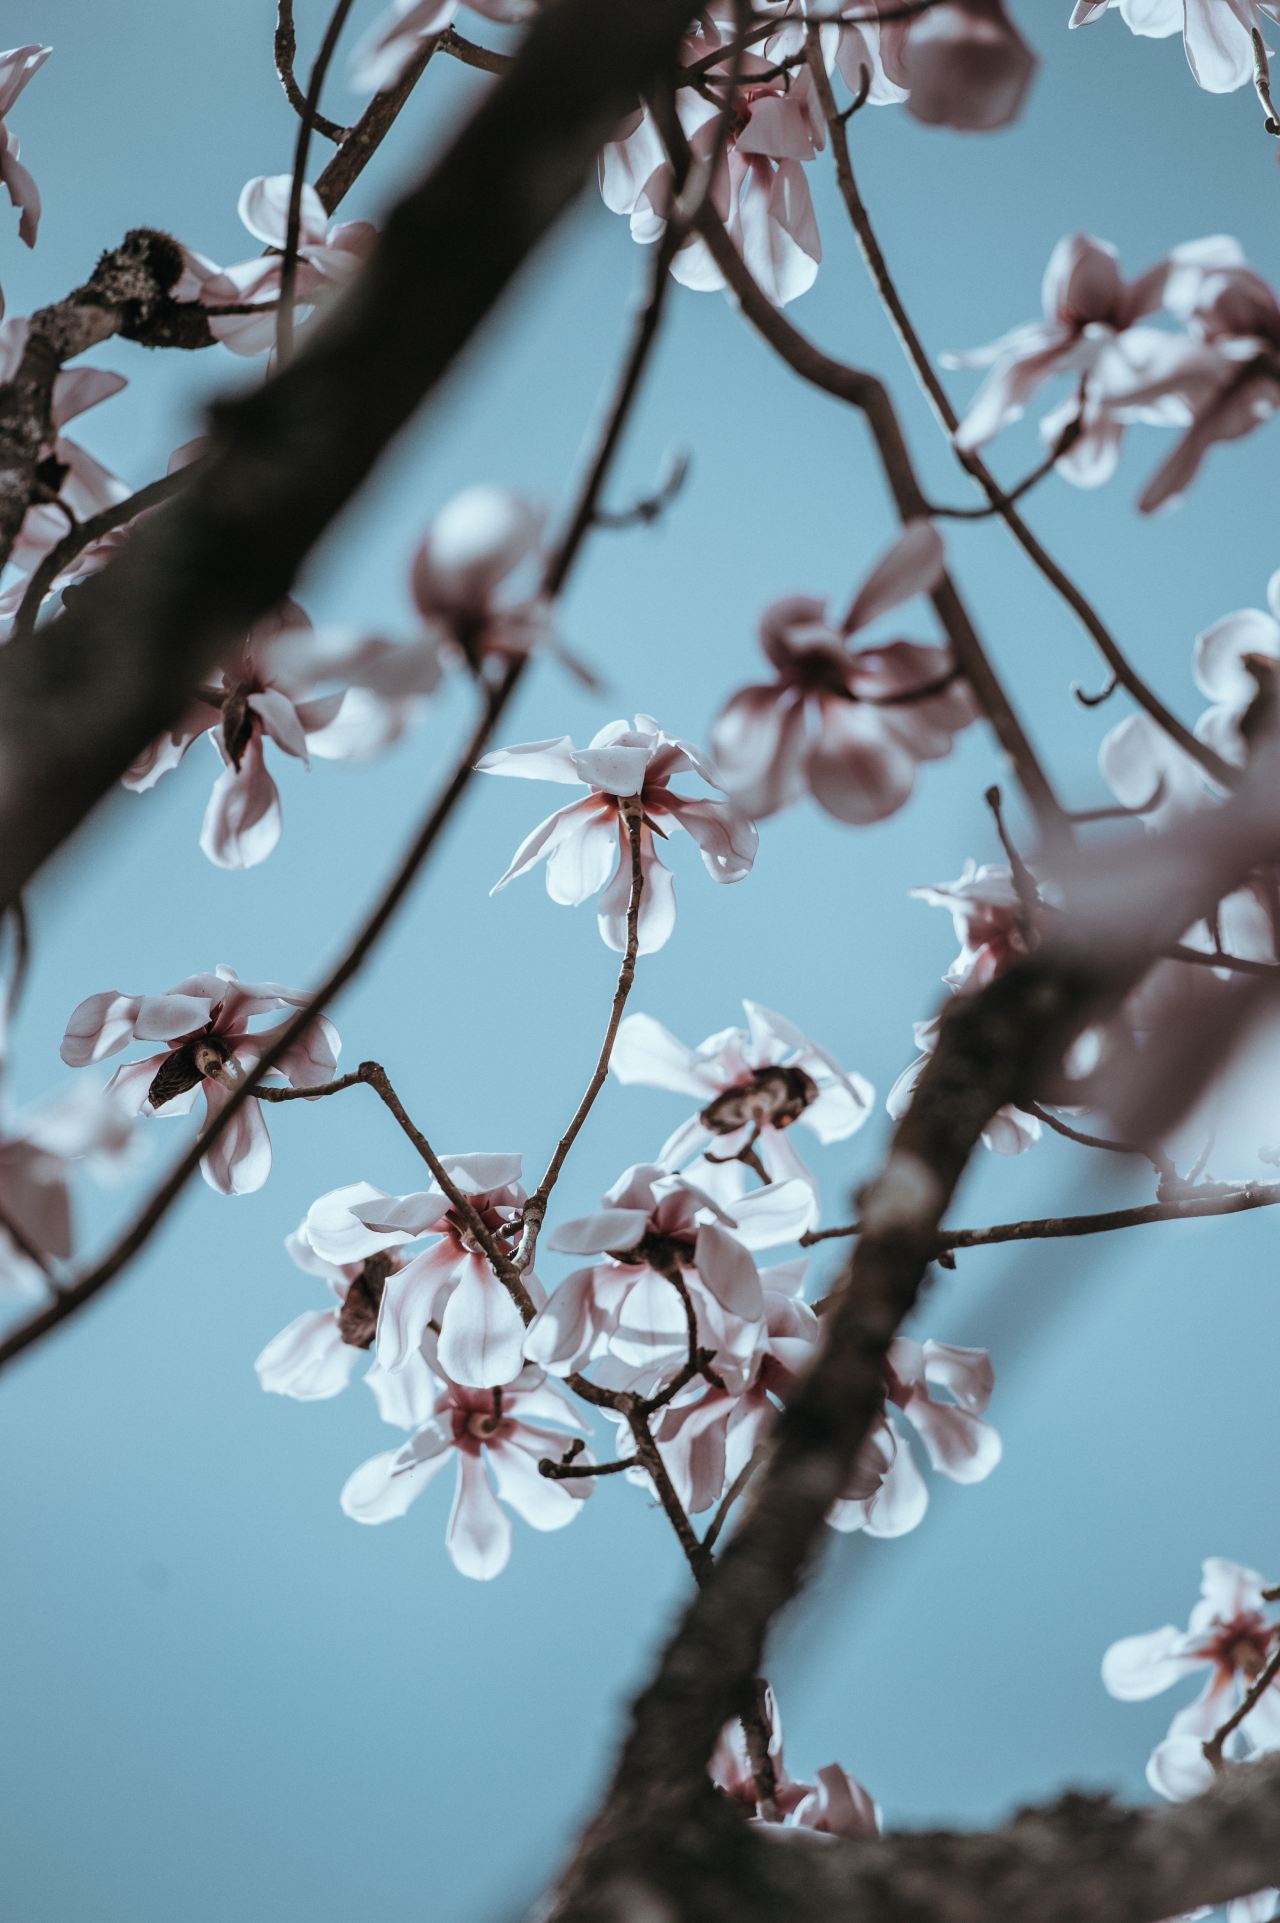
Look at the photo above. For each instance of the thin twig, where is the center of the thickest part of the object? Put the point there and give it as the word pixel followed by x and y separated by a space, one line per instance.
pixel 471 54
pixel 310 106
pixel 286 48
pixel 631 815
pixel 650 507
pixel 1160 1163
pixel 731 1495
pixel 1249 1701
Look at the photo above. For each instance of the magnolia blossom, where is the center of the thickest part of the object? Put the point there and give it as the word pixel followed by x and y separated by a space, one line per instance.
pixel 204 1025
pixel 329 257
pixel 16 68
pixel 966 66
pixel 1234 660
pixel 988 915
pixel 760 191
pixel 452 1283
pixel 710 1430
pixel 625 771
pixel 281 689
pixel 1215 33
pixel 500 1433
pixel 400 34
pixel 1225 377
pixel 315 1356
pixel 462 571
pixel 669 1243
pixel 753 1084
pixel 1228 1634
pixel 958 1443
pixel 38 1149
pixel 836 1805
pixel 79 486
pixel 1089 331
pixel 851 726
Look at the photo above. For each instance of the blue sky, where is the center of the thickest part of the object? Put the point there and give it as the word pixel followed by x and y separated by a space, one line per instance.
pixel 219 1694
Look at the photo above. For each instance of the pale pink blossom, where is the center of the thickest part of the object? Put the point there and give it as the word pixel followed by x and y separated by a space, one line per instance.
pixel 836 1805
pixel 657 1229
pixel 1223 377
pixel 958 1442
pixel 851 726
pixel 329 258
pixel 1215 33
pixel 760 191
pixel 84 1126
pixel 399 35
pixel 462 576
pixel 966 66
pixel 203 1023
pixel 987 914
pixel 81 484
pixel 315 1356
pixel 710 1430
pixel 583 843
pixel 451 1283
pixel 496 1437
pixel 1090 332
pixel 1229 1634
pixel 1221 665
pixel 752 1083
pixel 337 695
pixel 17 67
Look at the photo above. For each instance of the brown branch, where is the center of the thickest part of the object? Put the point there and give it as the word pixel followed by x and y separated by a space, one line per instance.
pixel 286 49
pixel 1160 1163
pixel 535 1209
pixel 1183 1208
pixel 999 500
pixel 1257 1689
pixel 106 678
pixel 486 59
pixel 60 557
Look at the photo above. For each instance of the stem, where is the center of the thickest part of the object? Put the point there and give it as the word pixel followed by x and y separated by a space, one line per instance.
pixel 730 1496
pixel 632 814
pixel 286 47
pixel 1160 1163
pixel 1252 1696
pixel 289 266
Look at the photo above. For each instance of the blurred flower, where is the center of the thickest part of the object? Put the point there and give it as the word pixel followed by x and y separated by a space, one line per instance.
pixel 17 67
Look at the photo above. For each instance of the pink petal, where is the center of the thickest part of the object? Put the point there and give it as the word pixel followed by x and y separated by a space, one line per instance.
pixel 100 1026
pixel 913 565
pixel 481 1330
pixel 242 821
pixel 479 1535
pixel 239 1162
pixel 307 1360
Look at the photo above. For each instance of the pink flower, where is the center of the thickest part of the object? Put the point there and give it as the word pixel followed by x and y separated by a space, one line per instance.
pixel 273 692
pixel 452 1284
pixel 851 726
pixel 37 1152
pixel 1224 377
pixel 966 66
pixel 760 191
pixel 583 842
pixel 16 68
pixel 81 485
pixel 753 1084
pixel 1215 33
pixel 958 1443
pixel 710 1430
pixel 655 1226
pixel 988 918
pixel 329 258
pixel 1227 1633
pixel 1088 331
pixel 500 1433
pixel 315 1356
pixel 399 35
pixel 1223 654
pixel 835 1806
pixel 461 571
pixel 204 1024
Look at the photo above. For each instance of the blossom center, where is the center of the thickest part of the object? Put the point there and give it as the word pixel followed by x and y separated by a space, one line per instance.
pixel 773 1097
pixel 358 1316
pixel 658 1251
pixel 200 1058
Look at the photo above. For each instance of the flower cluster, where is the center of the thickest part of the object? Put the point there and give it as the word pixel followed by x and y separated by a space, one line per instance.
pixel 1217 38
pixel 959 63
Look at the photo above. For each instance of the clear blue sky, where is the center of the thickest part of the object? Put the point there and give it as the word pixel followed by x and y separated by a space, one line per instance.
pixel 220 1697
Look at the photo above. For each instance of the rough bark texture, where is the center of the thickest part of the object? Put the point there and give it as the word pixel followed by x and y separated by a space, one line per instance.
pixel 81 700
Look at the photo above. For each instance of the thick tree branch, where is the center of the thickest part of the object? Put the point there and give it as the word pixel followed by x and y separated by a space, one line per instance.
pixel 81 701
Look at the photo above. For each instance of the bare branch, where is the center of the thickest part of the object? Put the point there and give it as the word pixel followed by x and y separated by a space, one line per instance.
pixel 286 49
